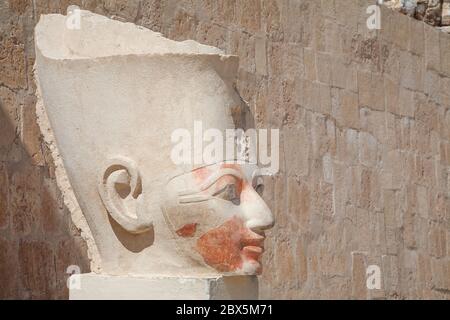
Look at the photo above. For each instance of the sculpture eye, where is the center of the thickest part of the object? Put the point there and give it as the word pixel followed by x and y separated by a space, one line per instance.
pixel 229 193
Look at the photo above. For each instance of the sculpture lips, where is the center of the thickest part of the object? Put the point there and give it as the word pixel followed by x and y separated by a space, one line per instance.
pixel 252 245
pixel 253 249
pixel 252 239
pixel 231 247
pixel 252 253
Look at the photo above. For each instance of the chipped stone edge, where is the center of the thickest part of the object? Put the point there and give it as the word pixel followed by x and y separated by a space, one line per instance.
pixel 63 183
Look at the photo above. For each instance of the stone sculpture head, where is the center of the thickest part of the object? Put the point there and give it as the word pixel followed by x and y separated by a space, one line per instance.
pixel 114 93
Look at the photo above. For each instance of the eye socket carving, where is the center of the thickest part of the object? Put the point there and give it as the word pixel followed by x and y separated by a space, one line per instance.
pixel 230 184
pixel 229 193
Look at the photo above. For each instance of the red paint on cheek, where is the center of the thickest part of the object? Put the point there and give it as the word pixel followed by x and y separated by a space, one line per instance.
pixel 220 247
pixel 226 247
pixel 187 230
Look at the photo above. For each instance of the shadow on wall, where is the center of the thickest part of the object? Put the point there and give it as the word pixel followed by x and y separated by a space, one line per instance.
pixel 38 240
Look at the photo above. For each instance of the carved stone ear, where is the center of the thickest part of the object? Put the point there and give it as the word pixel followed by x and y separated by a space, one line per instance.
pixel 120 189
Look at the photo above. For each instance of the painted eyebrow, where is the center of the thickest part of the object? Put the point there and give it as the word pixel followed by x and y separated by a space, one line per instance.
pixel 212 179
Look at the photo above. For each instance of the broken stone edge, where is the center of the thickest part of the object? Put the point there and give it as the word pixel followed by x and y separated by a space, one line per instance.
pixel 63 183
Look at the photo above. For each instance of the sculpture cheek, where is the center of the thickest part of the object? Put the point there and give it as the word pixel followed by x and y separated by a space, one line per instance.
pixel 220 247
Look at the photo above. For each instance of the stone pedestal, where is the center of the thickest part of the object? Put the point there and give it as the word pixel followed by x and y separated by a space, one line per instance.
pixel 91 286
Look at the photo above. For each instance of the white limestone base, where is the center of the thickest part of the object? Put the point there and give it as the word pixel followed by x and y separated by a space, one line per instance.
pixel 92 286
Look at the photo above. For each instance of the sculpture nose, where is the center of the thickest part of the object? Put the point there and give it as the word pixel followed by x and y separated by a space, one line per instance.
pixel 257 214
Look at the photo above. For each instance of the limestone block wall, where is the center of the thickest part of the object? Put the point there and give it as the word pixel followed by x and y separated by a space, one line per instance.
pixel 38 240
pixel 365 144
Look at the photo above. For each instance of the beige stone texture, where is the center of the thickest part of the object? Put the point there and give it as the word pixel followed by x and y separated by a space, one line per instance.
pixel 368 184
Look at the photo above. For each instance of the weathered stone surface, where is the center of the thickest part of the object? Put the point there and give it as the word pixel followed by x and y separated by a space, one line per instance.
pixel 4 198
pixel 25 192
pixel 26 250
pixel 12 55
pixel 36 266
pixel 358 166
pixel 9 277
pixel 359 290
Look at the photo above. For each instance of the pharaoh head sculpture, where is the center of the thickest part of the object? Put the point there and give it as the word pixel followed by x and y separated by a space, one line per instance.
pixel 114 94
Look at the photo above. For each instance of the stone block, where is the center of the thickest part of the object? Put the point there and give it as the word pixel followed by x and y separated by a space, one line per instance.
pixel 411 71
pixel 260 56
pixel 295 215
pixel 368 149
pixel 432 85
pixel 344 75
pixel 417 38
pixel 248 14
pixel 36 264
pixel 396 28
pixel 9 277
pixel 445 18
pixel 91 286
pixel 423 202
pixel 347 146
pixel 359 288
pixel 212 34
pixel 297 159
pixel 309 57
pixel 438 242
pixel 324 62
pixel 432 48
pixel 30 134
pixel 392 92
pixel 375 123
pixel 24 199
pixel 325 99
pixel 407 103
pixel 12 54
pixel 346 111
pixel 391 281
pixel 371 90
pixel 4 197
pixel 444 46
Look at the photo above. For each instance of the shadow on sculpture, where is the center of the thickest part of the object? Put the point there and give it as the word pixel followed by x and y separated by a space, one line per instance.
pixel 133 242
